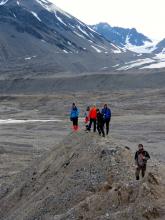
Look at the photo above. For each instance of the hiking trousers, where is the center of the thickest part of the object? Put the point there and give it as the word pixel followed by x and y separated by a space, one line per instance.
pixel 92 121
pixel 142 169
pixel 100 129
pixel 107 122
pixel 75 121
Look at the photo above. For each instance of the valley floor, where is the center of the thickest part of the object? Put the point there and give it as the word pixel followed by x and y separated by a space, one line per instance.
pixel 137 117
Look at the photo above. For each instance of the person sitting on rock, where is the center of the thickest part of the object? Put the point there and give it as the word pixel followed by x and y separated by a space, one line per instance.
pixel 100 123
pixel 74 116
pixel 141 157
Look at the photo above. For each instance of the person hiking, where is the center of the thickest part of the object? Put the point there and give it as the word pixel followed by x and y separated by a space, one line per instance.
pixel 86 120
pixel 141 157
pixel 107 117
pixel 92 117
pixel 74 116
pixel 100 123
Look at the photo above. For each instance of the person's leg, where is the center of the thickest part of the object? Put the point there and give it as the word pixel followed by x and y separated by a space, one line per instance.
pixel 90 124
pixel 143 170
pixel 98 129
pixel 76 123
pixel 102 130
pixel 94 125
pixel 137 173
pixel 107 126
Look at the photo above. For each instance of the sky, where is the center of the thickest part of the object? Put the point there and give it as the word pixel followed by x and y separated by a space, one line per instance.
pixel 147 16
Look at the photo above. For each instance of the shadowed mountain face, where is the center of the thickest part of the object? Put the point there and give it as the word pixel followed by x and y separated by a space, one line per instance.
pixel 160 47
pixel 35 34
pixel 121 36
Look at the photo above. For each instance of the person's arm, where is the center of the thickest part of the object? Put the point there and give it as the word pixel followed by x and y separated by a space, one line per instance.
pixel 136 158
pixel 146 156
pixel 78 112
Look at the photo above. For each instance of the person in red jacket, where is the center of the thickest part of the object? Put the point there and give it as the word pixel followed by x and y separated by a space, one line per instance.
pixel 92 117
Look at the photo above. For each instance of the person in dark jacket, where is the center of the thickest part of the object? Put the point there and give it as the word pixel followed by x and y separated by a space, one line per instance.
pixel 74 116
pixel 107 117
pixel 100 123
pixel 141 157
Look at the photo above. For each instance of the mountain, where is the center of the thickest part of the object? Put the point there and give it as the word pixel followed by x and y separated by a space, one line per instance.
pixel 35 35
pixel 160 47
pixel 121 36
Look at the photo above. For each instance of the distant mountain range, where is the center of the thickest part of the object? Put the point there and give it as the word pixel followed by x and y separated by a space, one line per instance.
pixel 39 39
pixel 121 36
pixel 129 38
pixel 39 35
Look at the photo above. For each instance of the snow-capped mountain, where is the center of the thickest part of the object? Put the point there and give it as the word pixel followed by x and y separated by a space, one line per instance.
pixel 35 30
pixel 121 36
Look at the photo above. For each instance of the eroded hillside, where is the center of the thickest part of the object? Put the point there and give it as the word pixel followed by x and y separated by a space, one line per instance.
pixel 85 177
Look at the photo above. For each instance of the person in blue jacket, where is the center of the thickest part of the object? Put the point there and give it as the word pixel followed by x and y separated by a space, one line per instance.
pixel 74 114
pixel 106 112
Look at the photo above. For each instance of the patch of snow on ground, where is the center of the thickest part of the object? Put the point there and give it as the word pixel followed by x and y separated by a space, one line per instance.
pixel 95 48
pixel 19 121
pixel 35 15
pixel 155 65
pixel 136 63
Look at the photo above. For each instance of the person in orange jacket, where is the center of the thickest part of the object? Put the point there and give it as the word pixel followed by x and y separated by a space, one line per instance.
pixel 93 118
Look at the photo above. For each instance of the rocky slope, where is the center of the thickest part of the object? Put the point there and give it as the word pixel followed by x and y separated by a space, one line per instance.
pixel 85 177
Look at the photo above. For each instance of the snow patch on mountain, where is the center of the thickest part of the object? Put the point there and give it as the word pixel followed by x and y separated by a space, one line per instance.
pixel 79 35
pixel 148 47
pixel 3 2
pixel 84 32
pixel 60 20
pixel 136 63
pixel 35 15
pixel 116 49
pixel 155 66
pixel 96 49
pixel 158 61
pixel 51 7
